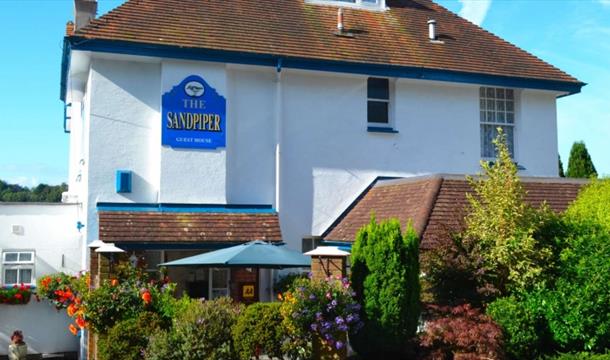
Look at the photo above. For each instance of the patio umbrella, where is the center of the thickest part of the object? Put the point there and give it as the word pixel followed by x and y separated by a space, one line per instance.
pixel 252 254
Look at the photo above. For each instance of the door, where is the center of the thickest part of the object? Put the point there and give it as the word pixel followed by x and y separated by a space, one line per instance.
pixel 219 282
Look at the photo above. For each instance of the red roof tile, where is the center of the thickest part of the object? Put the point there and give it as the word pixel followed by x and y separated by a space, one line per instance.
pixel 169 227
pixel 292 28
pixel 437 204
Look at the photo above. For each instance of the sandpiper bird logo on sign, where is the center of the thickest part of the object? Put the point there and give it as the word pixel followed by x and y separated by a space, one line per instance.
pixel 194 89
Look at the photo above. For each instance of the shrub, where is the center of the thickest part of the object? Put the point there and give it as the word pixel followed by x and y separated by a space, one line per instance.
pixel 461 332
pixel 259 331
pixel 501 226
pixel 592 205
pixel 525 328
pixel 125 297
pixel 284 283
pixel 454 274
pixel 128 339
pixel 579 356
pixel 325 309
pixel 201 331
pixel 577 308
pixel 385 275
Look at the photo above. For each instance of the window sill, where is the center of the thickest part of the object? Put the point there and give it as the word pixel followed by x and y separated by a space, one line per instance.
pixel 379 129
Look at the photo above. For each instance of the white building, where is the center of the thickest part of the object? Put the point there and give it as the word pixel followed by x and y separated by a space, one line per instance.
pixel 194 123
pixel 37 240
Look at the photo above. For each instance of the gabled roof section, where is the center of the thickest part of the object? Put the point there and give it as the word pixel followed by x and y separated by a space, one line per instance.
pixel 436 204
pixel 392 42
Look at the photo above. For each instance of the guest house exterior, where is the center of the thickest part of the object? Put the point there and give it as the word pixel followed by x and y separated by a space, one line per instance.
pixel 198 124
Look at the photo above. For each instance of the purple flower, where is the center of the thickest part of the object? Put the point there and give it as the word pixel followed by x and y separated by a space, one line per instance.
pixel 314 327
pixel 333 303
pixel 318 316
pixel 312 297
pixel 339 320
pixel 349 318
pixel 342 327
pixel 328 337
pixel 339 345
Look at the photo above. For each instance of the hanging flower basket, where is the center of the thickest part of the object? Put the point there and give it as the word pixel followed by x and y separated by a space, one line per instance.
pixel 16 295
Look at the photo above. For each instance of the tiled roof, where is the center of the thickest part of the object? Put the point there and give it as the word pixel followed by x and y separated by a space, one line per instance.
pixel 437 204
pixel 292 28
pixel 170 227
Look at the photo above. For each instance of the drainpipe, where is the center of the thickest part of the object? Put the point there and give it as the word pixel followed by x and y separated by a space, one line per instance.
pixel 278 131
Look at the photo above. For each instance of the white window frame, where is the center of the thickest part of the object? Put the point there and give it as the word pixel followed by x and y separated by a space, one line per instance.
pixel 378 5
pixel 483 118
pixel 19 265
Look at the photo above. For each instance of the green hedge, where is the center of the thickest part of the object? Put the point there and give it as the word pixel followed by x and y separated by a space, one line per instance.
pixel 259 331
pixel 128 339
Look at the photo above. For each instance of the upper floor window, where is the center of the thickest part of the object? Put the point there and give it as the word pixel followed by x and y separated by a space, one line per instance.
pixel 378 101
pixel 18 267
pixel 497 109
pixel 365 4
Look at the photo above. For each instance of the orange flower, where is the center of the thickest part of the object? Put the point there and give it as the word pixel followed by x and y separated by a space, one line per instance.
pixel 279 297
pixel 88 280
pixel 18 296
pixel 73 329
pixel 77 301
pixel 81 322
pixel 146 297
pixel 71 310
pixel 114 282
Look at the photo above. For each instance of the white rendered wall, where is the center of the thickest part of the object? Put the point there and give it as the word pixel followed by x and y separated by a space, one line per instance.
pixel 328 156
pixel 50 231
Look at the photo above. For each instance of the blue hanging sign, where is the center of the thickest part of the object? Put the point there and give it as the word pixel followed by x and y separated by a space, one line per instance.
pixel 193 115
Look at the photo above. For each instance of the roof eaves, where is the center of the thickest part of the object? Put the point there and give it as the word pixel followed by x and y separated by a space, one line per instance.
pixel 251 58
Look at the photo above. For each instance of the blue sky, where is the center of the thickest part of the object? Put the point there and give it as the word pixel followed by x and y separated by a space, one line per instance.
pixel 572 35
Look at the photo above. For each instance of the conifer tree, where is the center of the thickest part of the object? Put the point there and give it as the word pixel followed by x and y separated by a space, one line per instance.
pixel 561 173
pixel 580 164
pixel 385 276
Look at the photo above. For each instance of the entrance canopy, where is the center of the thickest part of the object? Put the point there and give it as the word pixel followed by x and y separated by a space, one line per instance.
pixel 252 254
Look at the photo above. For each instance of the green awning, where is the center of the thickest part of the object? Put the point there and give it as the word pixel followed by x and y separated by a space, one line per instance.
pixel 252 254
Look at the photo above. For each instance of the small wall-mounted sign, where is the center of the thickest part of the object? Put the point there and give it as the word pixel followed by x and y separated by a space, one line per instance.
pixel 247 291
pixel 193 115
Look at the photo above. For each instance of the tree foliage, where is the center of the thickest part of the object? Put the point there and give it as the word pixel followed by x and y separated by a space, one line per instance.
pixel 560 166
pixel 385 276
pixel 592 205
pixel 501 226
pixel 40 193
pixel 580 164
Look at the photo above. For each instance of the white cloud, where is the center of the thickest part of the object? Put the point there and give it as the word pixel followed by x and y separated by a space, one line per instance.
pixel 476 10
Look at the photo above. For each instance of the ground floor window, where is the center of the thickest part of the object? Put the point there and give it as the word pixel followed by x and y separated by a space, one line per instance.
pixel 18 267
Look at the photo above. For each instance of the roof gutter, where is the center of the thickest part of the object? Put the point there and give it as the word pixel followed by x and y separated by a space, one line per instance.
pixel 176 52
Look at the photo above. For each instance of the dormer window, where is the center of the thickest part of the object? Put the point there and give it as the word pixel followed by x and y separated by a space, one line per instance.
pixel 362 4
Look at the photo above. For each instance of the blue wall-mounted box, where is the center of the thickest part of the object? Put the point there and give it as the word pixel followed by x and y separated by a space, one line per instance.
pixel 123 181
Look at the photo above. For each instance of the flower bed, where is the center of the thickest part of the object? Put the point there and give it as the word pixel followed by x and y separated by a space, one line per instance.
pixel 16 295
